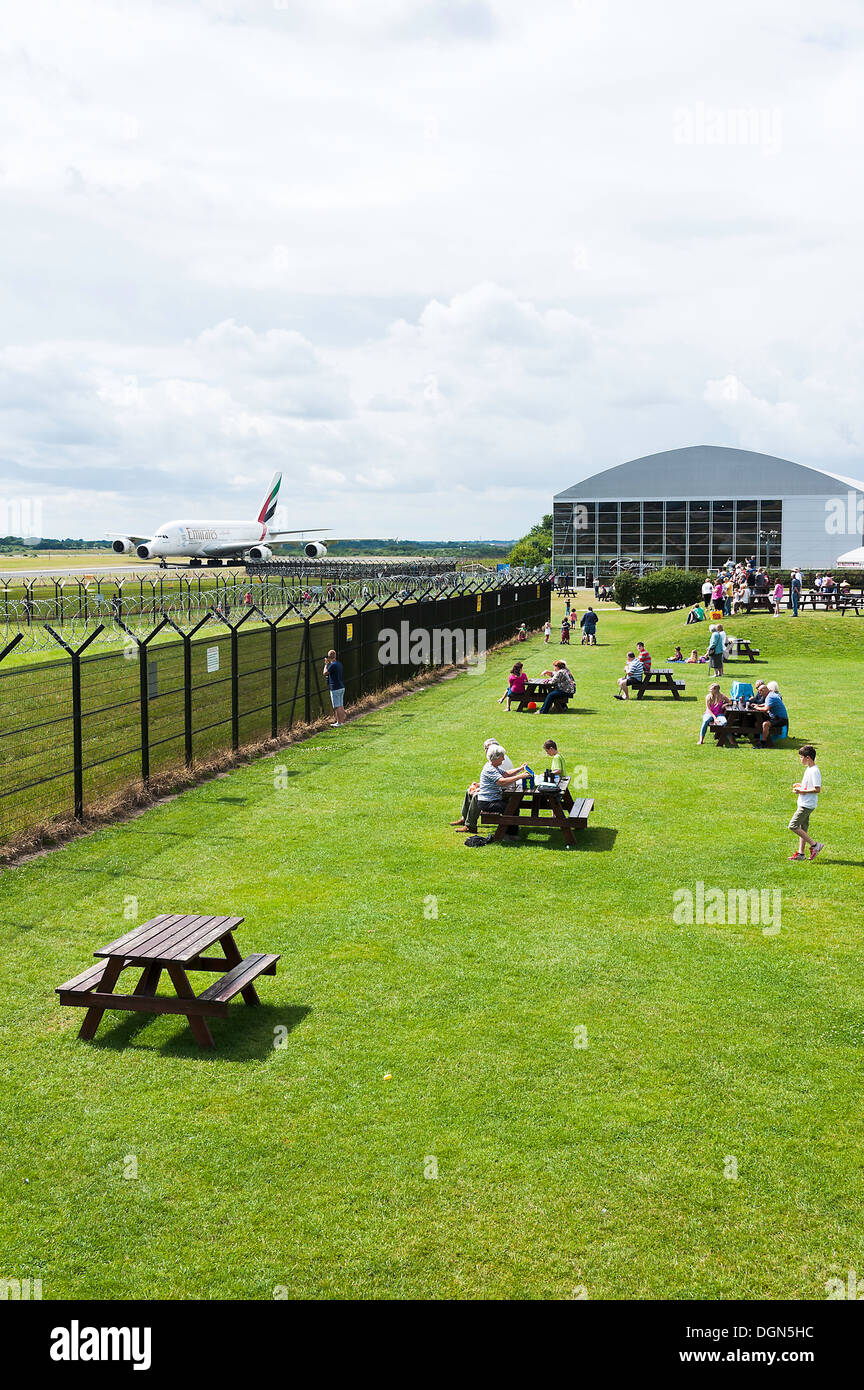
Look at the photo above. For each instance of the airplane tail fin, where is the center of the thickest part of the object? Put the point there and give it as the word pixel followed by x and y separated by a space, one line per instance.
pixel 270 501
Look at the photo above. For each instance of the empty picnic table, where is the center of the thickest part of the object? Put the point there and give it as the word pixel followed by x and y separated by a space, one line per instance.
pixel 662 679
pixel 173 942
pixel 564 813
pixel 745 648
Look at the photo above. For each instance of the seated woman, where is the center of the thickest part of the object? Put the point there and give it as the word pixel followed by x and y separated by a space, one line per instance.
pixel 517 684
pixel 693 658
pixel 696 614
pixel 561 687
pixel 715 703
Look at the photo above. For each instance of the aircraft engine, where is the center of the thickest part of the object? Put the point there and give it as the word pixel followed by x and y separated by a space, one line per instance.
pixel 123 546
pixel 259 552
pixel 315 550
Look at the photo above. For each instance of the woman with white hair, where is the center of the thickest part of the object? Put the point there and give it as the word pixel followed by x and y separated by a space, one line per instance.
pixel 776 717
pixel 495 781
pixel 468 818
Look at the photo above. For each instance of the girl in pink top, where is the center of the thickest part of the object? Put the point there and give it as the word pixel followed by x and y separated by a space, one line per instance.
pixel 778 598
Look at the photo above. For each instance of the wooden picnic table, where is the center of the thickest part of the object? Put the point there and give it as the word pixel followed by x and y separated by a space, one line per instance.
pixel 740 723
pixel 535 690
pixel 817 598
pixel 745 648
pixel 564 813
pixel 173 942
pixel 662 679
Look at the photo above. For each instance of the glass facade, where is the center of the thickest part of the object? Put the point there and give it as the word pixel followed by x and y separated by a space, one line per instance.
pixel 695 535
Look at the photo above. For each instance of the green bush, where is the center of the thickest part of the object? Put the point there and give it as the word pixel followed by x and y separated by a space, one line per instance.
pixel 670 588
pixel 624 588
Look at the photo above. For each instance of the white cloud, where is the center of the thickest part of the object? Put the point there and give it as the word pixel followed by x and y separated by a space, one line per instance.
pixel 434 258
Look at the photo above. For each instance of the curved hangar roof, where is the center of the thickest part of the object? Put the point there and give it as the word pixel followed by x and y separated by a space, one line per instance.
pixel 707 470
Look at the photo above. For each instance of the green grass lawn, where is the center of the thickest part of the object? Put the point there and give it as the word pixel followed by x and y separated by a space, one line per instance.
pixel 560 1167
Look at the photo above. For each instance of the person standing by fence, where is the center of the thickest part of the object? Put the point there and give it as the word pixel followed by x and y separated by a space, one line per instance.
pixel 336 686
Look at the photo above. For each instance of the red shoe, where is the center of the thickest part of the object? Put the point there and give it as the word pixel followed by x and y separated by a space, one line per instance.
pixel 815 850
pixel 796 855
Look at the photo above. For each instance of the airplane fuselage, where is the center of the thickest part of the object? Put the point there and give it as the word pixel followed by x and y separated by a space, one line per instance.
pixel 204 539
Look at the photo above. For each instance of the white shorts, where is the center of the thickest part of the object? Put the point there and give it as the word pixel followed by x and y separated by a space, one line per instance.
pixel 337 698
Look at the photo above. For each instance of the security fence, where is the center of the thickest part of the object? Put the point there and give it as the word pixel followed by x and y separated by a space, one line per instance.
pixel 97 721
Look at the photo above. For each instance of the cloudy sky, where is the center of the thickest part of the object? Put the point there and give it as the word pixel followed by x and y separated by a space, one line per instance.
pixel 434 259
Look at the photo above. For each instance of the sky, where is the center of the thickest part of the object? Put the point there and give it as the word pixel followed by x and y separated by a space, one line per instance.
pixel 433 259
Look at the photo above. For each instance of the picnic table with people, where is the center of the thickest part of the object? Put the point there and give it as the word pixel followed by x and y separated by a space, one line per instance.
pixel 516 798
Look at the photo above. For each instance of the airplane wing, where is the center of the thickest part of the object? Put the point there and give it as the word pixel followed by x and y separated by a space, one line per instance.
pixel 304 530
pixel 126 536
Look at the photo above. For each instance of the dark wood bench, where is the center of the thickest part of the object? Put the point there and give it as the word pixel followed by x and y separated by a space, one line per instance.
pixel 580 811
pixel 745 649
pixel 661 679
pixel 564 813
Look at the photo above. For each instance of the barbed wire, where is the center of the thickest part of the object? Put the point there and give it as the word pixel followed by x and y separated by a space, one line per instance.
pixel 76 615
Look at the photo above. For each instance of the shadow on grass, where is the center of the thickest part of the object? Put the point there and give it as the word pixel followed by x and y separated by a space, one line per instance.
pixel 246 1035
pixel 597 840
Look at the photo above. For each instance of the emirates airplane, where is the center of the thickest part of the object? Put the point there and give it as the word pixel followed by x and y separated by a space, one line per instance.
pixel 211 542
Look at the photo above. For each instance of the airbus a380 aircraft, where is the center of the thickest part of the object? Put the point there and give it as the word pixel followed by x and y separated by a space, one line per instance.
pixel 211 542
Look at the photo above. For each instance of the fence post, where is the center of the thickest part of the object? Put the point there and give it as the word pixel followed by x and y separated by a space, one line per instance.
pixel 187 683
pixel 19 637
pixel 233 628
pixel 77 739
pixel 143 692
pixel 274 669
pixel 307 672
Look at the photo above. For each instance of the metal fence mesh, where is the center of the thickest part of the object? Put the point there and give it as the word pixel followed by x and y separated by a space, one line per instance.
pixel 77 730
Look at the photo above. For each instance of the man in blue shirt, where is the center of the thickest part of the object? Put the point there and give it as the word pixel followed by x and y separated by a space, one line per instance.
pixel 336 686
pixel 776 718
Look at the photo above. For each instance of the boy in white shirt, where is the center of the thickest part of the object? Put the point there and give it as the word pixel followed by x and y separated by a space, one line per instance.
pixel 808 790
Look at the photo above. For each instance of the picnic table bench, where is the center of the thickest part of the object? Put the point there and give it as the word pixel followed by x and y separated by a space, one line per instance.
pixel 535 690
pixel 740 723
pixel 564 813
pixel 173 942
pixel 817 599
pixel 746 648
pixel 661 679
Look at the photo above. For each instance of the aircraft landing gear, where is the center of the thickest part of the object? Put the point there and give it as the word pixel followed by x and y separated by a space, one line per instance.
pixel 194 563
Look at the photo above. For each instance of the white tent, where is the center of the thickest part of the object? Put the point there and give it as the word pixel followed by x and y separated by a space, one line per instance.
pixel 853 559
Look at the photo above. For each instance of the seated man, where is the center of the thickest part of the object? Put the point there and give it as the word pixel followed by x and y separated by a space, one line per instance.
pixel 634 673
pixel 470 813
pixel 776 718
pixel 561 687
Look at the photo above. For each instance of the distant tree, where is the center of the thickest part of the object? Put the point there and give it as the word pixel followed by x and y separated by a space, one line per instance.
pixel 536 547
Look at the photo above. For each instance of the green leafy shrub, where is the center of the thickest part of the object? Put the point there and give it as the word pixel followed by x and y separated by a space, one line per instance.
pixel 624 588
pixel 669 588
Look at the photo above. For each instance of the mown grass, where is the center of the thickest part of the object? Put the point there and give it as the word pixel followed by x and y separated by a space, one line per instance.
pixel 559 1167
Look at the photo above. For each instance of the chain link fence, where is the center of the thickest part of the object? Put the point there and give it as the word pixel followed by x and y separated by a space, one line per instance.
pixel 184 686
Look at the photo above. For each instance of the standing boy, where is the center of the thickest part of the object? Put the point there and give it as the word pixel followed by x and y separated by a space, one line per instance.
pixel 808 790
